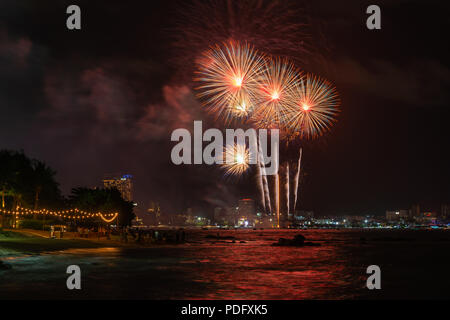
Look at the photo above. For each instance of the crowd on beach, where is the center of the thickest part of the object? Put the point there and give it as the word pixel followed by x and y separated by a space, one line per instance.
pixel 141 236
pixel 153 236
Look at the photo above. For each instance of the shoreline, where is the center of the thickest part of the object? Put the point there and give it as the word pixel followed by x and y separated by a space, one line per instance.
pixel 25 242
pixel 21 242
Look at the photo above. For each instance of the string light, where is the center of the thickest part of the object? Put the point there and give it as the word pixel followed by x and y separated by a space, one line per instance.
pixel 74 214
pixel 108 220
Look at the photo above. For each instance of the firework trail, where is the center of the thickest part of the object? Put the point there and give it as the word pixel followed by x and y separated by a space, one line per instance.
pixel 297 178
pixel 286 186
pixel 260 184
pixel 259 175
pixel 227 80
pixel 263 176
pixel 277 194
pixel 266 190
pixel 277 198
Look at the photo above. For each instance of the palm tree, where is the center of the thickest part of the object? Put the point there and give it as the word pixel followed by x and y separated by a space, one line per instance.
pixel 26 181
pixel 43 181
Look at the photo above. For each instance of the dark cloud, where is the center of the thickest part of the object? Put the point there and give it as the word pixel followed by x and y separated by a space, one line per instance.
pixel 417 82
pixel 179 110
pixel 15 51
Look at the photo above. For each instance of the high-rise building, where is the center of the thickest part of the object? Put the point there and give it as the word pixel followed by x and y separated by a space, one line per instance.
pixel 123 183
pixel 415 211
pixel 154 209
pixel 246 207
pixel 246 211
pixel 445 211
pixel 218 214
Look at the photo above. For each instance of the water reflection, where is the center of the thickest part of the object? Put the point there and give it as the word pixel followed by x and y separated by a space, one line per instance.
pixel 248 268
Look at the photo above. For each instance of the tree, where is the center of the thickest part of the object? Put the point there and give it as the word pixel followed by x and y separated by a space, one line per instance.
pixel 103 200
pixel 23 181
pixel 46 189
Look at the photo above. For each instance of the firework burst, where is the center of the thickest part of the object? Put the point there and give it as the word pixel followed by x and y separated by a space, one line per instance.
pixel 278 27
pixel 236 160
pixel 227 80
pixel 314 109
pixel 276 85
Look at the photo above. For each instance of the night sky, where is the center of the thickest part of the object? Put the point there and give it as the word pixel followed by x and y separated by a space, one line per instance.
pixel 105 99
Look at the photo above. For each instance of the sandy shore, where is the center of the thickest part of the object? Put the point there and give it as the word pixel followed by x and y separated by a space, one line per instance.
pixel 20 242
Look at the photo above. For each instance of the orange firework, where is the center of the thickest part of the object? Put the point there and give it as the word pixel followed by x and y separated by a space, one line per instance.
pixel 236 159
pixel 315 104
pixel 276 85
pixel 227 80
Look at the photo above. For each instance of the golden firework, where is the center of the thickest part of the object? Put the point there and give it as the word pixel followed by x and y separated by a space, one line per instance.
pixel 227 80
pixel 315 105
pixel 276 86
pixel 236 159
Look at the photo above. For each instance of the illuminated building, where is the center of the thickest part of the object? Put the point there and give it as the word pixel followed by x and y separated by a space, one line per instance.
pixel 429 217
pixel 246 212
pixel 137 222
pixel 154 213
pixel 122 183
pixel 246 207
pixel 397 215
pixel 304 215
pixel 154 209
